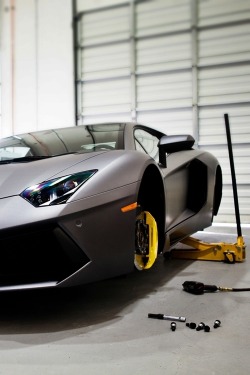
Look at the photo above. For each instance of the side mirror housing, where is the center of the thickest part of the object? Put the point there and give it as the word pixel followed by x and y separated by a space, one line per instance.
pixel 173 143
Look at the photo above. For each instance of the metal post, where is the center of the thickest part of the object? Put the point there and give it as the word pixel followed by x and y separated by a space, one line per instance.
pixel 194 42
pixel 230 150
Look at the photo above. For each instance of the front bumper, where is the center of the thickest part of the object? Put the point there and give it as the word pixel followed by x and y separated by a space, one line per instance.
pixel 65 245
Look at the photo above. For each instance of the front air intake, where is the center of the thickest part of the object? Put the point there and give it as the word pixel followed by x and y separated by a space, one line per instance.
pixel 35 255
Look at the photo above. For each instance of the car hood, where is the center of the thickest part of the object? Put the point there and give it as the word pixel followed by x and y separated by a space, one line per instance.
pixel 17 176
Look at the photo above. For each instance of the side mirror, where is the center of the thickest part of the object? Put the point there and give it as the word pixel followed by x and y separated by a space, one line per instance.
pixel 173 143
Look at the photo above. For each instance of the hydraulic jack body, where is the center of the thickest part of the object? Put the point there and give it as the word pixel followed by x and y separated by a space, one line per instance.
pixel 220 251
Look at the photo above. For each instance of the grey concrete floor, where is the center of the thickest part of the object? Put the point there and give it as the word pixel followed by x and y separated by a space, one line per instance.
pixel 103 328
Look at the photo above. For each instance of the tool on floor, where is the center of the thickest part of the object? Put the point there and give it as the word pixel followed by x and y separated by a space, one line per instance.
pixel 167 317
pixel 173 326
pixel 217 323
pixel 221 251
pixel 196 287
pixel 200 326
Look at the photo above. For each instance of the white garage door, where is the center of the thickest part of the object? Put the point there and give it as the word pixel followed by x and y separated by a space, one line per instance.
pixel 177 65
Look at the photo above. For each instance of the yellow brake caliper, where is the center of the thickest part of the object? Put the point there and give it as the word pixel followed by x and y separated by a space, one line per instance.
pixel 146 241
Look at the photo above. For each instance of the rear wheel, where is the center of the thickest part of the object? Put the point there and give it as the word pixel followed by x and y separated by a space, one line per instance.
pixel 146 241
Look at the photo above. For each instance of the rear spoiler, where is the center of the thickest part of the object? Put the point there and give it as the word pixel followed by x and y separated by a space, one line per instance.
pixel 173 143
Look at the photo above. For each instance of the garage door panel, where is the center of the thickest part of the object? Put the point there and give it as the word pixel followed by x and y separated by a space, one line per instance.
pixel 224 45
pixel 109 25
pixel 177 65
pixel 155 17
pixel 170 122
pixel 218 12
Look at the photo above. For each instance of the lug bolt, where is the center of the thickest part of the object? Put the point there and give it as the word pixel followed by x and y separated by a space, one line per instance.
pixel 191 325
pixel 201 326
pixel 173 326
pixel 207 329
pixel 217 323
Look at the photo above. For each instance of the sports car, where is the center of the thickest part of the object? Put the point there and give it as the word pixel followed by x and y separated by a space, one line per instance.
pixel 84 203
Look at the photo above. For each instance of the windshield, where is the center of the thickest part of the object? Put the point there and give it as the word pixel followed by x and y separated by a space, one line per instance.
pixel 83 138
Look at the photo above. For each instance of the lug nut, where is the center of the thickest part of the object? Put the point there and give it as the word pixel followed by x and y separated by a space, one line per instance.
pixel 191 325
pixel 217 323
pixel 173 326
pixel 200 327
pixel 207 329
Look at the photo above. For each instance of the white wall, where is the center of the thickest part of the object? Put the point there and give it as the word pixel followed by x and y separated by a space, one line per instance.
pixel 37 65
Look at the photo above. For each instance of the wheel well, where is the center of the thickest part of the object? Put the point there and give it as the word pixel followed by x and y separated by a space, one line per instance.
pixel 217 190
pixel 151 197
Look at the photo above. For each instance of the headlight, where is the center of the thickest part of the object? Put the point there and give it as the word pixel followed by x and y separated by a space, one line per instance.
pixel 56 191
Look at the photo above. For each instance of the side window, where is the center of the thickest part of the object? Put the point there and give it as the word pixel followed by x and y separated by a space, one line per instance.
pixel 147 143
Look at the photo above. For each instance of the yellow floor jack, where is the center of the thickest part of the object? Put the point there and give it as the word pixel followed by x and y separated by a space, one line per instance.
pixel 221 251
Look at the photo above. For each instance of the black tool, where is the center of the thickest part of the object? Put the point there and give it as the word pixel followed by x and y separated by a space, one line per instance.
pixel 196 287
pixel 200 326
pixel 217 323
pixel 173 326
pixel 206 328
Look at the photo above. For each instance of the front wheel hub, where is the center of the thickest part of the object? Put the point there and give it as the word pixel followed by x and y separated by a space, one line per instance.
pixel 146 241
pixel 141 237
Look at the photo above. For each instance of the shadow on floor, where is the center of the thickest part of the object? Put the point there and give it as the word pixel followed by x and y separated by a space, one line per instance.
pixel 57 310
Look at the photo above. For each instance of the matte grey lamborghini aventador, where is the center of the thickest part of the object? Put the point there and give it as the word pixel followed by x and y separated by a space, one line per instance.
pixel 84 203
